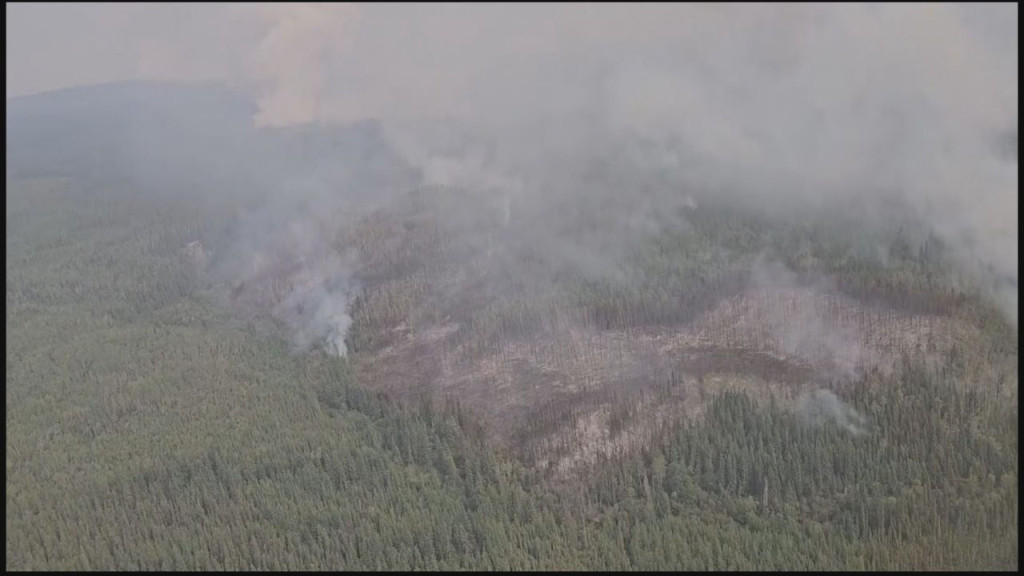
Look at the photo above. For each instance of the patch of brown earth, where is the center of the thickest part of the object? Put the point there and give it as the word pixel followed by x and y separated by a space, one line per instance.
pixel 553 395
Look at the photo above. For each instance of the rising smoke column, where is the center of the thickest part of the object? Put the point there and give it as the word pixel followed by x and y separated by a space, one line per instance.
pixel 823 406
pixel 316 310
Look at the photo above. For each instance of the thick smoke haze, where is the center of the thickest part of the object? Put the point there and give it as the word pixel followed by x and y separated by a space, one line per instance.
pixel 634 105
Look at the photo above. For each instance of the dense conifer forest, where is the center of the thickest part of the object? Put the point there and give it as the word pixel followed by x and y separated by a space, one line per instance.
pixel 152 426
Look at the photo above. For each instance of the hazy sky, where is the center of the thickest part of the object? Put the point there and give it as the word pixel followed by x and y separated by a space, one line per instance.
pixel 52 46
pixel 55 45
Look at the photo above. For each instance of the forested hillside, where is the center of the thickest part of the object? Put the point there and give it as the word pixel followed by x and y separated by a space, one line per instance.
pixel 391 286
pixel 151 425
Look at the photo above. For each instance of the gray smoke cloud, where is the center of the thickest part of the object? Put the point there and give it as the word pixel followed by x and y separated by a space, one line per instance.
pixel 822 406
pixel 798 103
pixel 544 107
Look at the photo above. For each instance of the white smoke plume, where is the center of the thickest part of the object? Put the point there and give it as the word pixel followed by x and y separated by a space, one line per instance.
pixel 823 406
pixel 289 247
pixel 317 309
pixel 808 331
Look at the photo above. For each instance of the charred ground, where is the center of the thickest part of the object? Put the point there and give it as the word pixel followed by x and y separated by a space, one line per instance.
pixel 458 302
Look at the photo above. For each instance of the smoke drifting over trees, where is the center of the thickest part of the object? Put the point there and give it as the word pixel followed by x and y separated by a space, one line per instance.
pixel 695 286
pixel 824 406
pixel 777 104
pixel 573 134
pixel 638 106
